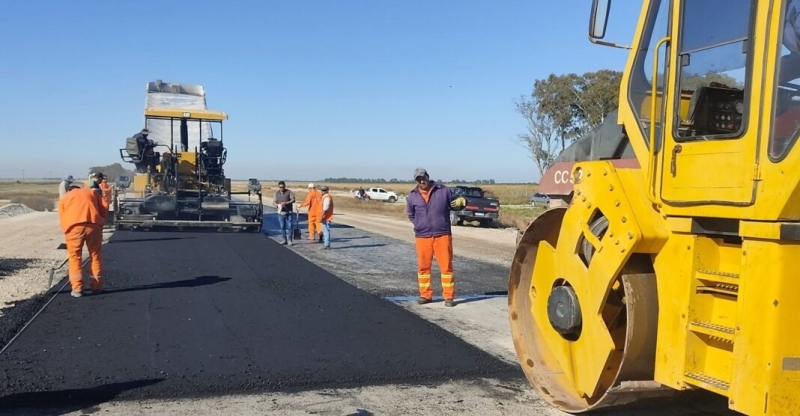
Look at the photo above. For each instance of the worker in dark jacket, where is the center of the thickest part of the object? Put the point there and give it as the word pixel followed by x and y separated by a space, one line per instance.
pixel 146 152
pixel 63 187
pixel 428 207
pixel 284 200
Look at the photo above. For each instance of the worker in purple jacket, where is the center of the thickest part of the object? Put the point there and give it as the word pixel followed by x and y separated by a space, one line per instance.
pixel 428 207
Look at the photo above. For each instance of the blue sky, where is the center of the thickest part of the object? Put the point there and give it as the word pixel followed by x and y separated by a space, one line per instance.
pixel 313 89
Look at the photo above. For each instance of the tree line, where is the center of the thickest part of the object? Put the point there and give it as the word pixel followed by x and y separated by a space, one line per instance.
pixel 111 171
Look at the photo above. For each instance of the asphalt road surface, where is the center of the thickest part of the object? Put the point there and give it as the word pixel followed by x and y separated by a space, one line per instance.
pixel 387 267
pixel 198 314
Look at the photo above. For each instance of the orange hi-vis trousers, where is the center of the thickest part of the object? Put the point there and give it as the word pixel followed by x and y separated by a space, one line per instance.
pixel 314 225
pixel 92 235
pixel 440 247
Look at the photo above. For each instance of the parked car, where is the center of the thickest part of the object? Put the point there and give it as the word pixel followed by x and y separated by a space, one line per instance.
pixel 480 207
pixel 380 194
pixel 122 182
pixel 540 200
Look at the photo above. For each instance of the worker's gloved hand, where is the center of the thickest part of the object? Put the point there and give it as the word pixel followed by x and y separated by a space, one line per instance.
pixel 458 203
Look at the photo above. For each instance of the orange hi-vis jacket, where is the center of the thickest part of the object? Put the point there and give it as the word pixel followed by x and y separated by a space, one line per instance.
pixel 314 203
pixel 106 188
pixel 82 206
pixel 327 214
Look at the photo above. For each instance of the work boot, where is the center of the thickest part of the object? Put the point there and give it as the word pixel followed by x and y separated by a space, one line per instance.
pixel 291 243
pixel 77 294
pixel 422 301
pixel 449 303
pixel 284 243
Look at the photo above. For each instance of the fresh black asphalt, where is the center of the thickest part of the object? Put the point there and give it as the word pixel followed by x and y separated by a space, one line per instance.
pixel 197 314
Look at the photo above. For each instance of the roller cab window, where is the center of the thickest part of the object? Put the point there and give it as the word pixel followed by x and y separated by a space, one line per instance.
pixel 714 62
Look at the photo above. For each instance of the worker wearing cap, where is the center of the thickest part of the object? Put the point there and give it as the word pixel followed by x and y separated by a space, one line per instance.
pixel 147 155
pixel 63 187
pixel 82 215
pixel 327 216
pixel 428 207
pixel 314 203
pixel 284 200
pixel 94 181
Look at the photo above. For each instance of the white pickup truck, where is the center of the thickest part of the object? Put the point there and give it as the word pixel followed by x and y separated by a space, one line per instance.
pixel 380 194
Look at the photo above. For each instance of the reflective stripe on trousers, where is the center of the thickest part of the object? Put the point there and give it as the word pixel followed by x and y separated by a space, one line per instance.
pixel 92 236
pixel 440 247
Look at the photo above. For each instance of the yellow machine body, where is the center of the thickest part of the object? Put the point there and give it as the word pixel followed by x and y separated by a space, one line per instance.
pixel 181 186
pixel 680 273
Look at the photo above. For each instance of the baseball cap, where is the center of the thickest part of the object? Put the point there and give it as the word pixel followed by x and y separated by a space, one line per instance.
pixel 69 178
pixel 311 185
pixel 323 188
pixel 420 172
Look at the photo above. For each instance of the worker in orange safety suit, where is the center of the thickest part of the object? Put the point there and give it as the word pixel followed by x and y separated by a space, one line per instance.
pixel 82 214
pixel 105 189
pixel 314 203
pixel 428 207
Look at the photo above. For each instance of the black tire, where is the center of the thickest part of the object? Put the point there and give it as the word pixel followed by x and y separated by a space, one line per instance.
pixel 489 223
pixel 598 227
pixel 392 199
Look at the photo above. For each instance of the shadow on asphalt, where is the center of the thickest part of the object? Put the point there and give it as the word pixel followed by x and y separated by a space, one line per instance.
pixel 278 323
pixel 355 246
pixel 59 402
pixel 143 240
pixel 350 238
pixel 193 282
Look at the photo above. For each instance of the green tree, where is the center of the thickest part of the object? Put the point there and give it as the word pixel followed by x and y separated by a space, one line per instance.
pixel 541 137
pixel 598 95
pixel 561 108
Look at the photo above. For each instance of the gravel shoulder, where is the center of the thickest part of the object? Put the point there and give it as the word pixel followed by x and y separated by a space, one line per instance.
pixel 32 246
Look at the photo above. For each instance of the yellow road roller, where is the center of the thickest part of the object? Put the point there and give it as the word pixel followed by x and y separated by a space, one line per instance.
pixel 678 269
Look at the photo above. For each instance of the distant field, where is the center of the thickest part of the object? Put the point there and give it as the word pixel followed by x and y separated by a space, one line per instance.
pixel 41 195
pixel 38 195
pixel 509 194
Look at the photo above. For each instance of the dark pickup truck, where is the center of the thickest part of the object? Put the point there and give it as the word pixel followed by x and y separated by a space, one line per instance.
pixel 479 207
